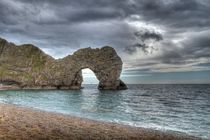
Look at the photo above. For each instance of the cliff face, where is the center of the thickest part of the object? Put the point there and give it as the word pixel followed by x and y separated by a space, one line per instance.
pixel 26 66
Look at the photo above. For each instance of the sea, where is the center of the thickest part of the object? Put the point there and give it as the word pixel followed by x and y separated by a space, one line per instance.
pixel 177 108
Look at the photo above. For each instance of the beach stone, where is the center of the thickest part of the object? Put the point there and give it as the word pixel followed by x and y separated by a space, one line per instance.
pixel 28 67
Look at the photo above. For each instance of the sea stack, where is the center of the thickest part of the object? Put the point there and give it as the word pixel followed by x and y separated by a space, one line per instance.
pixel 28 67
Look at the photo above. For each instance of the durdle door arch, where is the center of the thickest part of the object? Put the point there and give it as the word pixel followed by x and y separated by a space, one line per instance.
pixel 105 64
pixel 31 68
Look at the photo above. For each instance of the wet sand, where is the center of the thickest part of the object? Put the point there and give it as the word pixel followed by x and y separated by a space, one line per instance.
pixel 18 123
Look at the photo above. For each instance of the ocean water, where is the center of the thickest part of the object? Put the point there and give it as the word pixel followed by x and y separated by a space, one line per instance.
pixel 181 108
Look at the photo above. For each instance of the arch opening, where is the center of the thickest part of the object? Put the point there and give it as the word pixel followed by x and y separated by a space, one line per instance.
pixel 89 77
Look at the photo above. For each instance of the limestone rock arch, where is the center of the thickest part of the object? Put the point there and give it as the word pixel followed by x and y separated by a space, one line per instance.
pixel 30 67
pixel 104 62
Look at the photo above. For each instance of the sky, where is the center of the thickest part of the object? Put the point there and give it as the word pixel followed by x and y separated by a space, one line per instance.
pixel 159 41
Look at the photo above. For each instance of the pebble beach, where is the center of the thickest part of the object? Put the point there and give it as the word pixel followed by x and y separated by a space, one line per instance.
pixel 27 123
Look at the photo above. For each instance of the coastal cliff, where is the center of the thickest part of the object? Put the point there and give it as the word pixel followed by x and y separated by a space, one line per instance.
pixel 28 67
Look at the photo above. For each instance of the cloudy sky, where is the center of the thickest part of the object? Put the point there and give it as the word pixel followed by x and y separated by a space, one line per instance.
pixel 159 41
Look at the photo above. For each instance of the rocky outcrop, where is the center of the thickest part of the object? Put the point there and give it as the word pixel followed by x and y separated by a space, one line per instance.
pixel 26 66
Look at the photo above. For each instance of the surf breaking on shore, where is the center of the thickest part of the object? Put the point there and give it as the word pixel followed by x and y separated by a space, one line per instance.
pixel 27 123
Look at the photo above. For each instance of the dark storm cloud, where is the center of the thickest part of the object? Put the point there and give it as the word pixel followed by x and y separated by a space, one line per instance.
pixel 147 35
pixel 133 48
pixel 66 25
pixel 143 36
pixel 191 50
pixel 70 23
pixel 175 13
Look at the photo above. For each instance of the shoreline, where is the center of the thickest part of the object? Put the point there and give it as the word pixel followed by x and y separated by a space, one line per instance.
pixel 14 87
pixel 6 87
pixel 27 123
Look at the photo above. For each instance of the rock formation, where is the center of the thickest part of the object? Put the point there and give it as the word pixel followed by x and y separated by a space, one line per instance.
pixel 26 66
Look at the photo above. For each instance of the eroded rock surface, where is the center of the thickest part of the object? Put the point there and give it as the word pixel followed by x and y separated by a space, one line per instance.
pixel 26 66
